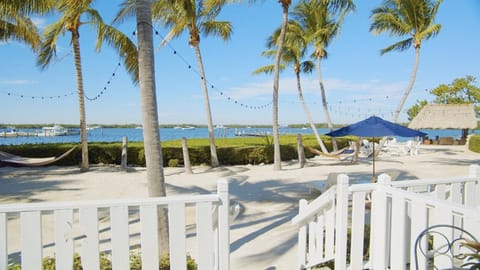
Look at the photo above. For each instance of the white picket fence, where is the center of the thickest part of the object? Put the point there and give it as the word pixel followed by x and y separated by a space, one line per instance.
pixel 393 213
pixel 84 227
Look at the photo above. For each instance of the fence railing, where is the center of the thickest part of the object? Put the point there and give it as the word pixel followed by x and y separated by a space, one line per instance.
pixel 118 227
pixel 375 225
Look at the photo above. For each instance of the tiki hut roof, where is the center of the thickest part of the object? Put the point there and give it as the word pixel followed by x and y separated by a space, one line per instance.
pixel 445 116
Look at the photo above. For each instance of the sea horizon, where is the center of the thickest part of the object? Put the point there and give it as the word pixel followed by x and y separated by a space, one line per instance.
pixel 106 134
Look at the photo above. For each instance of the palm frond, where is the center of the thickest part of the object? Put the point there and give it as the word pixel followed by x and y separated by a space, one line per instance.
pixel 48 48
pixel 222 29
pixel 22 29
pixel 398 46
pixel 431 31
pixel 307 66
pixel 406 18
pixel 125 48
pixel 269 53
pixel 41 7
pixel 127 10
pixel 95 20
pixel 268 69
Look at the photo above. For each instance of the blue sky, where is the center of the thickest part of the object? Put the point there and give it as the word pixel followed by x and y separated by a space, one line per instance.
pixel 359 81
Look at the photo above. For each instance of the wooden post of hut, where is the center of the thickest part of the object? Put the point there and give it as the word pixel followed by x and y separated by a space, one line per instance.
pixel 186 157
pixel 301 152
pixel 123 164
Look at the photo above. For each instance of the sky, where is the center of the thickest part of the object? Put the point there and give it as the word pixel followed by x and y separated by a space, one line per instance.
pixel 359 81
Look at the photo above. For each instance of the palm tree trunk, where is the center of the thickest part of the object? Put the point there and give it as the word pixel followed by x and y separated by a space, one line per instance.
pixel 277 159
pixel 309 115
pixel 81 101
pixel 413 76
pixel 151 132
pixel 325 103
pixel 410 85
pixel 211 135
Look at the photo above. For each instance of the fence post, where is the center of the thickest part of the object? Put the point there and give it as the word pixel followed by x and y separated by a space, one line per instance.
pixel 302 237
pixel 123 164
pixel 301 151
pixel 472 189
pixel 378 232
pixel 384 179
pixel 341 222
pixel 223 225
pixel 186 157
pixel 3 241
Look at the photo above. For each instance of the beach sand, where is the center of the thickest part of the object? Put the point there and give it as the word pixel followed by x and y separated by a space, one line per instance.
pixel 262 236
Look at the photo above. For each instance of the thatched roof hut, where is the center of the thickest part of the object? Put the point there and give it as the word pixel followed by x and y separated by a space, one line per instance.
pixel 445 116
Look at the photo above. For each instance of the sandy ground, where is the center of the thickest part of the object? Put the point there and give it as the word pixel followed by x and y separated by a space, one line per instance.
pixel 262 236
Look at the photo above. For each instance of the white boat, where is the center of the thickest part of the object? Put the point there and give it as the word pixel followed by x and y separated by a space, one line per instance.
pixel 92 127
pixel 53 131
pixel 184 128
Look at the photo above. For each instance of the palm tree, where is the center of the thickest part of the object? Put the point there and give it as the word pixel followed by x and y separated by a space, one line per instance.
pixel 333 5
pixel 294 50
pixel 15 23
pixel 321 24
pixel 151 133
pixel 71 12
pixel 277 159
pixel 197 17
pixel 414 19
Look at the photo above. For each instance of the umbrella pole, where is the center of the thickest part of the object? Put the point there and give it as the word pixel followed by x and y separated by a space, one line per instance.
pixel 374 178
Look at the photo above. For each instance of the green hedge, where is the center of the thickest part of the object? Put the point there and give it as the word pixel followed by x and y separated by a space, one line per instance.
pixel 474 143
pixel 230 151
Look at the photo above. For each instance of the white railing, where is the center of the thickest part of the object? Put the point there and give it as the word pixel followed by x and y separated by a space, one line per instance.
pixel 118 227
pixel 332 228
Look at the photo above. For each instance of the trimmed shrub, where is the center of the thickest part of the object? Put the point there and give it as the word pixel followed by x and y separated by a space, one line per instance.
pixel 48 263
pixel 474 143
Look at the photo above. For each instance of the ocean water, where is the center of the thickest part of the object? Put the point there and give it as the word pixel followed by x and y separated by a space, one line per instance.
pixel 166 134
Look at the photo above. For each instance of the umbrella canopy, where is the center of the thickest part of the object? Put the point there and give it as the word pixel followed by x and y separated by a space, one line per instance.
pixel 375 127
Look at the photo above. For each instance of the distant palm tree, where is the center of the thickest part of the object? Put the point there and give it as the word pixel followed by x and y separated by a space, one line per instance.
pixel 197 17
pixel 321 23
pixel 277 158
pixel 151 133
pixel 414 19
pixel 15 23
pixel 294 51
pixel 72 13
pixel 334 5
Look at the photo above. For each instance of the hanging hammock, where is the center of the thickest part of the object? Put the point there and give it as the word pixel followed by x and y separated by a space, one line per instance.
pixel 26 161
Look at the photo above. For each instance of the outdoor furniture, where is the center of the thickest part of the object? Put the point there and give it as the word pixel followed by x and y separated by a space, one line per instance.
pixel 342 154
pixel 10 159
pixel 444 246
pixel 322 185
pixel 445 141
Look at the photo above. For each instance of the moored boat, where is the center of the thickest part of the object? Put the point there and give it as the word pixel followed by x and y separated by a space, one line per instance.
pixel 56 130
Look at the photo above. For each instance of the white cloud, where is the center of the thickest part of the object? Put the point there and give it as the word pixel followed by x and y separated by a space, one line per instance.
pixel 334 87
pixel 18 82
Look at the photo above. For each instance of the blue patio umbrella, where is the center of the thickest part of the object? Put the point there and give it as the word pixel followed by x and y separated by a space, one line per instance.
pixel 375 127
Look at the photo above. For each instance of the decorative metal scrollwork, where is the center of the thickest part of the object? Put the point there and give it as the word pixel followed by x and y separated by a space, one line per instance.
pixel 446 247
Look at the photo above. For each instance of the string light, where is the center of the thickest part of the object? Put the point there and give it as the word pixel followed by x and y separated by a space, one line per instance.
pixel 36 97
pixel 105 88
pixel 343 108
pixel 96 97
pixel 220 92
